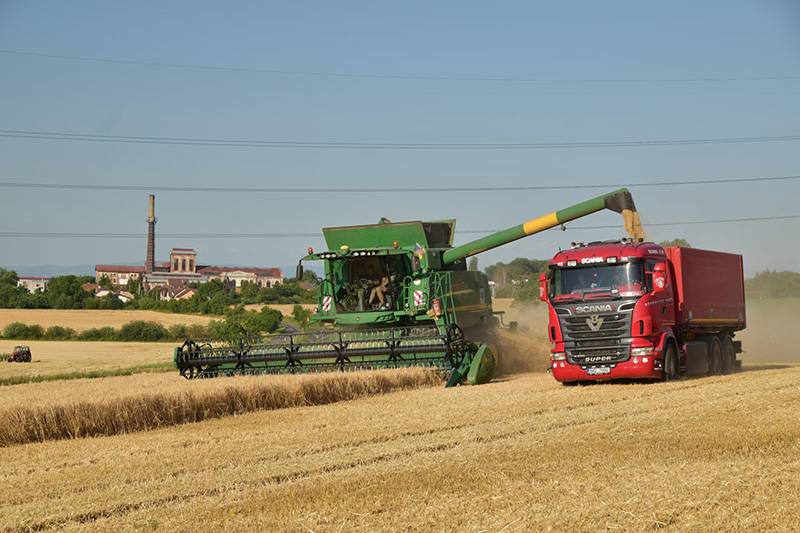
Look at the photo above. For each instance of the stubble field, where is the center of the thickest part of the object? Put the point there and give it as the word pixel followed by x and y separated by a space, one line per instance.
pixel 519 454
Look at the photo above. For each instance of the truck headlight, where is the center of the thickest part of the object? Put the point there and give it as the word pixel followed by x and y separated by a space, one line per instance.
pixel 558 356
pixel 638 352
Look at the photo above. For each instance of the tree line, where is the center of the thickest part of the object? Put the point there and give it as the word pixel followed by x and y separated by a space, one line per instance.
pixel 212 297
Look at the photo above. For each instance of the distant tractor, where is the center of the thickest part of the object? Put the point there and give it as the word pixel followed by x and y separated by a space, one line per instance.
pixel 21 354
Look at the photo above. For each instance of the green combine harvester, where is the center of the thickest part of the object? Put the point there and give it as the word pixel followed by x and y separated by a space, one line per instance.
pixel 392 295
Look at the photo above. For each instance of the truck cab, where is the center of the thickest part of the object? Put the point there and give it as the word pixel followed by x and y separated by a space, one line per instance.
pixel 610 306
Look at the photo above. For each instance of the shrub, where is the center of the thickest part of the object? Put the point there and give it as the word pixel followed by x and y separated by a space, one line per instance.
pixel 179 331
pixel 197 331
pixel 301 315
pixel 142 331
pixel 98 334
pixel 18 330
pixel 58 333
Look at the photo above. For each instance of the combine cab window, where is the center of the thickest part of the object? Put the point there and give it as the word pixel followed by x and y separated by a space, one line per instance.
pixel 356 279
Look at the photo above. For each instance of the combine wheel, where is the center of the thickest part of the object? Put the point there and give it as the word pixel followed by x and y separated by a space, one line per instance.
pixel 671 371
pixel 483 366
pixel 728 356
pixel 714 357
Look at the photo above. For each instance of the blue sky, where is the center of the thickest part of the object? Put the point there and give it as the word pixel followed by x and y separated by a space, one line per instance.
pixel 381 76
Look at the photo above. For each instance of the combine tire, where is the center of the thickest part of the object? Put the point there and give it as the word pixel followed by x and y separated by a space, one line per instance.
pixel 671 371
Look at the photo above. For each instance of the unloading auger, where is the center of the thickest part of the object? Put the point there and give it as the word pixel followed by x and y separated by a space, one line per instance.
pixel 393 295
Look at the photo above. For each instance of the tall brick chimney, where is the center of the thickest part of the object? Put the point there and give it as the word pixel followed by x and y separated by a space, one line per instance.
pixel 150 264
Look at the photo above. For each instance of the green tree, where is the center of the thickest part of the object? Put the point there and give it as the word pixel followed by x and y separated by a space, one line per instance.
pixel 772 284
pixel 301 315
pixel 249 292
pixel 109 301
pixel 675 242
pixel 517 270
pixel 309 276
pixel 9 292
pixel 134 286
pixel 65 292
pixel 8 277
pixel 241 322
pixel 527 294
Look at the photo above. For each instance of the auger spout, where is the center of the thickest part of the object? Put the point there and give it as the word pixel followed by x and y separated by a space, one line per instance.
pixel 619 201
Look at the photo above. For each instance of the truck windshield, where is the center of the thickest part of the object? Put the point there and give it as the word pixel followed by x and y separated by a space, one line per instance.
pixel 367 284
pixel 598 281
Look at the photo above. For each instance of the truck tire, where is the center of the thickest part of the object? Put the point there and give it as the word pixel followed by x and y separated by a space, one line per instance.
pixel 728 356
pixel 671 371
pixel 714 357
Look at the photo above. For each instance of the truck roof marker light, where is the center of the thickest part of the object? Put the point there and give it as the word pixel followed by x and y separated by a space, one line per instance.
pixel 395 244
pixel 572 263
pixel 611 259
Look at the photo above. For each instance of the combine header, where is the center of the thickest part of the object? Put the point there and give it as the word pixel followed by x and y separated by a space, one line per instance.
pixel 392 295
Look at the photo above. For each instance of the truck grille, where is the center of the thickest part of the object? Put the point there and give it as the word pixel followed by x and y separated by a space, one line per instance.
pixel 596 338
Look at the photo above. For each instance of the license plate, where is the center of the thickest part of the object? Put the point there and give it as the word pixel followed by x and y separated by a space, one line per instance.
pixel 598 370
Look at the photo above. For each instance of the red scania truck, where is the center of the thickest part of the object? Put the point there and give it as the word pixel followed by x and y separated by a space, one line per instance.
pixel 622 309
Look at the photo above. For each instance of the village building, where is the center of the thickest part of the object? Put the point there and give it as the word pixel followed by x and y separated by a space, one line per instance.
pixel 261 277
pixel 172 278
pixel 33 284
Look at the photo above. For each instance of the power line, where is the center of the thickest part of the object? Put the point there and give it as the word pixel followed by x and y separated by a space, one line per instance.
pixel 59 136
pixel 398 76
pixel 377 190
pixel 313 235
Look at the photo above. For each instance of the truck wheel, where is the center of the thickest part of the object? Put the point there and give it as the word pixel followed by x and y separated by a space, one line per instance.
pixel 728 356
pixel 715 358
pixel 671 371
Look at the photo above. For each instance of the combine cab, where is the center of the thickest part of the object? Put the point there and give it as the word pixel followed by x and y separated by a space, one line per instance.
pixel 392 295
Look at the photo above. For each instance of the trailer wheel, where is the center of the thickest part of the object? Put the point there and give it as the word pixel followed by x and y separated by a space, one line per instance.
pixel 671 371
pixel 728 356
pixel 715 358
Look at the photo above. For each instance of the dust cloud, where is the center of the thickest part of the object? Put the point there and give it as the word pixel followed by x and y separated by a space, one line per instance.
pixel 527 348
pixel 769 337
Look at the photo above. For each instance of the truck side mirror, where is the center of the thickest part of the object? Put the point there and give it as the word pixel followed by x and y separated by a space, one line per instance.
pixel 543 286
pixel 659 277
pixel 299 273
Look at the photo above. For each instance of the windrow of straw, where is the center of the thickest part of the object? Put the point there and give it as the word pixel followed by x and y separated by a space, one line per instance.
pixel 150 411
